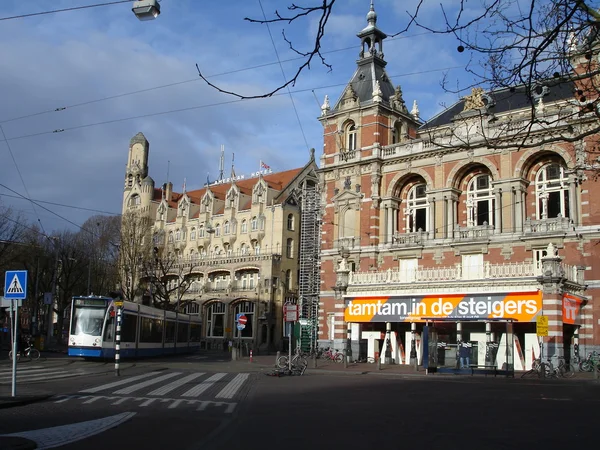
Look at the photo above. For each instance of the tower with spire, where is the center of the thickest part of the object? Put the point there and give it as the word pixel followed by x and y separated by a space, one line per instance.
pixel 139 186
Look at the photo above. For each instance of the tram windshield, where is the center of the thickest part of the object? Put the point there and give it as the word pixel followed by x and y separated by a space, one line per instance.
pixel 88 319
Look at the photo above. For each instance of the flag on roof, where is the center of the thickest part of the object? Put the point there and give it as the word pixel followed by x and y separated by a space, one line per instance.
pixel 264 166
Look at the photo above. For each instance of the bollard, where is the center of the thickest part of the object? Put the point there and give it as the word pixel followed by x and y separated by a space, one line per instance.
pixel 379 362
pixel 250 361
pixel 345 359
pixel 277 357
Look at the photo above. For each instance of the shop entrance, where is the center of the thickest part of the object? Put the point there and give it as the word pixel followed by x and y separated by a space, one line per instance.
pixel 469 346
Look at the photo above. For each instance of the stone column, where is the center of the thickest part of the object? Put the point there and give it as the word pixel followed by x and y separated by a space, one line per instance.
pixel 573 213
pixel 552 281
pixel 498 211
pixel 340 289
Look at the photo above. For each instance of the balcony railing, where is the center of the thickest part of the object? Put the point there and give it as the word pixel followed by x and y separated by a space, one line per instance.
pixel 474 233
pixel 408 239
pixel 458 272
pixel 555 225
pixel 193 262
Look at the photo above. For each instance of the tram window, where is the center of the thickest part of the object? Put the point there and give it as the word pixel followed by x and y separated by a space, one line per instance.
pixel 195 332
pixel 109 330
pixel 170 331
pixel 151 330
pixel 128 328
pixel 182 332
pixel 88 321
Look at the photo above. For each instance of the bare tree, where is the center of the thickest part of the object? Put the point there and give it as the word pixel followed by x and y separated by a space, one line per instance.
pixel 168 275
pixel 524 47
pixel 12 233
pixel 135 250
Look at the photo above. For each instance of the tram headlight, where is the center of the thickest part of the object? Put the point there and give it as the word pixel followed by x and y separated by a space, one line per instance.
pixel 96 341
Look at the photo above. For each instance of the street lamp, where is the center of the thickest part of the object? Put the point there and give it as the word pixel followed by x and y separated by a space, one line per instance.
pixel 146 9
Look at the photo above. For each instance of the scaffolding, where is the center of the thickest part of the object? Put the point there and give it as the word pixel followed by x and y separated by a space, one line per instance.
pixel 310 267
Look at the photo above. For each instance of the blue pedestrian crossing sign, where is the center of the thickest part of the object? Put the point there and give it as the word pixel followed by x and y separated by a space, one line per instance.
pixel 15 284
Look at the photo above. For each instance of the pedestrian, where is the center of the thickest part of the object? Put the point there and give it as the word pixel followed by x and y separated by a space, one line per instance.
pixel 464 353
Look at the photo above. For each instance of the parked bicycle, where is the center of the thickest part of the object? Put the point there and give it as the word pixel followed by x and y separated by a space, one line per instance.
pixel 592 361
pixel 333 355
pixel 30 353
pixel 545 369
pixel 298 360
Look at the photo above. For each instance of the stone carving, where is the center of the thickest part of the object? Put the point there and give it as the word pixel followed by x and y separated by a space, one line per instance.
pixel 325 107
pixel 396 100
pixel 348 183
pixel 377 92
pixel 475 100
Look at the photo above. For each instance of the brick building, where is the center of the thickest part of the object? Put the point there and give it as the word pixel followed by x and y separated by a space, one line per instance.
pixel 429 223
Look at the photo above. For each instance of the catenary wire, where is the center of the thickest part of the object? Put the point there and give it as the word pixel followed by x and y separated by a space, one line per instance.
pixel 284 77
pixel 191 108
pixel 21 177
pixel 196 79
pixel 62 205
pixel 73 8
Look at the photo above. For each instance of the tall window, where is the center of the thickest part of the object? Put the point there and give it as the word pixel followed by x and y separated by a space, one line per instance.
pixel 290 222
pixel 480 201
pixel 397 133
pixel 215 320
pixel 288 279
pixel 170 236
pixel 178 235
pixel 201 231
pixel 193 234
pixel 226 227
pixel 254 223
pixel 417 209
pixel 351 137
pixel 218 229
pixel 289 248
pixel 247 309
pixel 243 249
pixel 244 228
pixel 552 192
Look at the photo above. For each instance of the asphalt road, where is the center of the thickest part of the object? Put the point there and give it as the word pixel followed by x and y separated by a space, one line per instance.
pixel 183 404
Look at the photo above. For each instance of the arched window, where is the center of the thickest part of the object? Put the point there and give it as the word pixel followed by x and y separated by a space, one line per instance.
pixel 397 133
pixel 218 229
pixel 178 234
pixel 417 209
pixel 256 247
pixel 201 231
pixel 480 201
pixel 226 228
pixel 247 309
pixel 215 319
pixel 135 200
pixel 193 234
pixel 290 222
pixel 243 249
pixel 244 228
pixel 552 192
pixel 351 136
pixel 289 248
pixel 254 224
pixel 170 236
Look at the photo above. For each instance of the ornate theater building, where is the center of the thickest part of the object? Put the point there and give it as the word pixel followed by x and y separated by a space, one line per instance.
pixel 471 229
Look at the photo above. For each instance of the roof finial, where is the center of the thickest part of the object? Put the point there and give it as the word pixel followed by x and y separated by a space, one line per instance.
pixel 415 110
pixel 372 16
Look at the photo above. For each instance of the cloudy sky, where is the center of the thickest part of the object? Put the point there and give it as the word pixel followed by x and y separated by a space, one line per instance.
pixel 117 76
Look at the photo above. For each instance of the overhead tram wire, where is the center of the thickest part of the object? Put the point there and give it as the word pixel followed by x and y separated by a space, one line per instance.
pixel 47 209
pixel 12 155
pixel 196 79
pixel 74 8
pixel 62 205
pixel 284 77
pixel 192 108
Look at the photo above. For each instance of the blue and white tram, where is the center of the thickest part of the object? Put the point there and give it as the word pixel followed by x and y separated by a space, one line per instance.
pixel 145 331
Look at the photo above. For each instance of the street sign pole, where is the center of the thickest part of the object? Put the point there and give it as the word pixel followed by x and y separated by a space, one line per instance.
pixel 14 353
pixel 118 343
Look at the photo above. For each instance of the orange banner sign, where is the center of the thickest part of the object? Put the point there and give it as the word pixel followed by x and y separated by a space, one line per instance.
pixel 519 306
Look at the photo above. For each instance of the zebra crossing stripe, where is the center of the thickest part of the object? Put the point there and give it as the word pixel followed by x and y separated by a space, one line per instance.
pixel 30 376
pixel 199 389
pixel 175 384
pixel 119 383
pixel 22 369
pixel 233 386
pixel 137 387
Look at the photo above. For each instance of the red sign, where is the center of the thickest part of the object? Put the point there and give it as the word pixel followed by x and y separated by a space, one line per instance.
pixel 290 312
pixel 571 309
pixel 242 320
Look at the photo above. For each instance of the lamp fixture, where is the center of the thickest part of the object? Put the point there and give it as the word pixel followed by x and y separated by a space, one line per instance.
pixel 146 9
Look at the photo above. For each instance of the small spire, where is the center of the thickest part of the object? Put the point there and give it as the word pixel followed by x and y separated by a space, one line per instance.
pixel 415 110
pixel 372 15
pixel 184 185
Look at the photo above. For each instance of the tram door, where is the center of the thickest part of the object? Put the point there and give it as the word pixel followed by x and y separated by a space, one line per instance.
pixel 430 347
